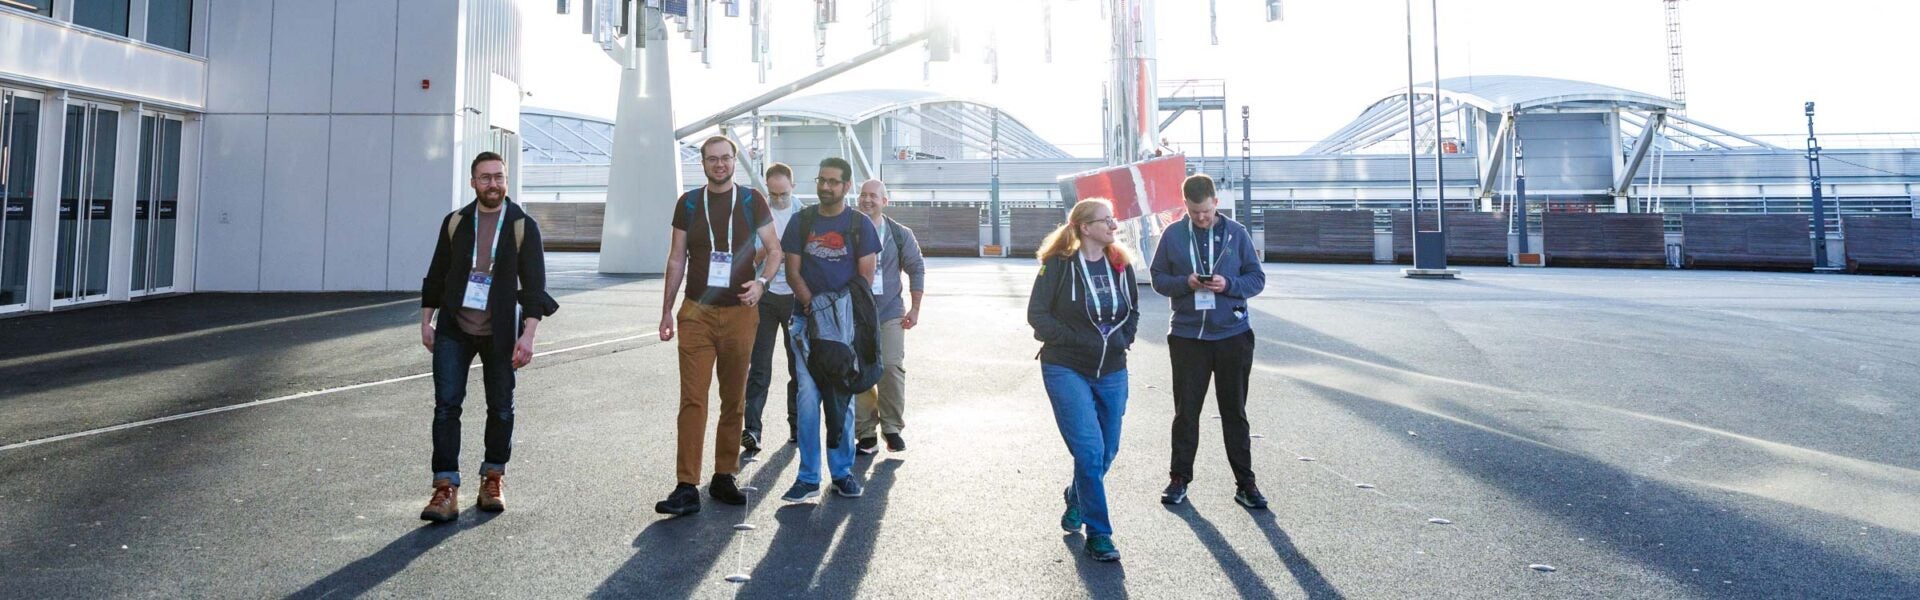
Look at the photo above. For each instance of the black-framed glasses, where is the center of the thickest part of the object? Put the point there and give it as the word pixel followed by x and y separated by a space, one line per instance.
pixel 1109 221
pixel 827 181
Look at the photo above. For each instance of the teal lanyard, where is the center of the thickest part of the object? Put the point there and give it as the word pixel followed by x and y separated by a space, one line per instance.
pixel 1193 251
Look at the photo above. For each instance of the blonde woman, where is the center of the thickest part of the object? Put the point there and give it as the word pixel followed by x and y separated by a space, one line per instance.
pixel 1084 312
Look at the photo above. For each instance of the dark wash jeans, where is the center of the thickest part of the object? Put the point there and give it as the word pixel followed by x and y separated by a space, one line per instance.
pixel 453 352
pixel 1228 364
pixel 776 311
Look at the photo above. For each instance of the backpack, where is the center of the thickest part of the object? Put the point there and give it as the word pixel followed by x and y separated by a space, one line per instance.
pixel 854 367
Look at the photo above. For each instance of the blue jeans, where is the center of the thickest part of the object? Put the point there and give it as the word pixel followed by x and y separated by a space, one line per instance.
pixel 807 409
pixel 453 352
pixel 1088 412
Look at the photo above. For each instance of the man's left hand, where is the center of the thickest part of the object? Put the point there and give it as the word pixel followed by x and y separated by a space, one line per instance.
pixel 523 352
pixel 752 295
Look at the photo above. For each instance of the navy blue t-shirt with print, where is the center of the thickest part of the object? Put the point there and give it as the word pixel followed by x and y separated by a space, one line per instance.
pixel 1107 305
pixel 827 264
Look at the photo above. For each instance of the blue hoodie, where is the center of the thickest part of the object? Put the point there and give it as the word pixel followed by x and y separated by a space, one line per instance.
pixel 1238 262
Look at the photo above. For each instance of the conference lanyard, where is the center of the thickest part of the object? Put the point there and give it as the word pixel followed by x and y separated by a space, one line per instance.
pixel 1113 291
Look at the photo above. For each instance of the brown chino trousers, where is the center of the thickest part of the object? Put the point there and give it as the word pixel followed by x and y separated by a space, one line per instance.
pixel 713 336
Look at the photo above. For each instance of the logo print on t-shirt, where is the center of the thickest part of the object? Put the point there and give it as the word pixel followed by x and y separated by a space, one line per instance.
pixel 829 246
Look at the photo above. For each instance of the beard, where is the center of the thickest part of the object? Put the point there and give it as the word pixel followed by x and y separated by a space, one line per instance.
pixel 492 198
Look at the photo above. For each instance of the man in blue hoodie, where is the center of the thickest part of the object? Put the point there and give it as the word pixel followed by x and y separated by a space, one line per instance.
pixel 1207 265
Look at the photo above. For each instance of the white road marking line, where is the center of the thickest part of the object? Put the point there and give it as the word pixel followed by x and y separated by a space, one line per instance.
pixel 234 407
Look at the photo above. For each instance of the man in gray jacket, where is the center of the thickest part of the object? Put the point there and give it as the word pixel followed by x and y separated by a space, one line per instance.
pixel 1207 265
pixel 885 405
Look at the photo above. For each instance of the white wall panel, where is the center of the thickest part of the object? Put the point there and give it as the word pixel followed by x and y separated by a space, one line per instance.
pixel 429 50
pixel 239 41
pixel 228 246
pixel 302 58
pixel 293 250
pixel 363 56
pixel 422 148
pixel 360 177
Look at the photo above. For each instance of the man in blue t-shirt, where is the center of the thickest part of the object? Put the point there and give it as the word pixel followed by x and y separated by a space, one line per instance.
pixel 831 248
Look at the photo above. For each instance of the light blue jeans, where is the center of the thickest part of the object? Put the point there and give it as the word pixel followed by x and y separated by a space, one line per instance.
pixel 807 410
pixel 1088 412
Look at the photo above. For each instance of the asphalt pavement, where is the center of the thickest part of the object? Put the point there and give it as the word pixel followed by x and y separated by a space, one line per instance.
pixel 1557 433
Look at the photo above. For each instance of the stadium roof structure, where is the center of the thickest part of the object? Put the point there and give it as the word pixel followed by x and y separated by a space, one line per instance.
pixel 1382 126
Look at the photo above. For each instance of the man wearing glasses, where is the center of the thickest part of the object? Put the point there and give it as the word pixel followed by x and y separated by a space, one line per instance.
pixel 829 249
pixel 714 231
pixel 489 267
pixel 1206 264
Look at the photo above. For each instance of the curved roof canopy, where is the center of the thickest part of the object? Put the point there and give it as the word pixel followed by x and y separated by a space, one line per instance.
pixel 1520 93
pixel 959 117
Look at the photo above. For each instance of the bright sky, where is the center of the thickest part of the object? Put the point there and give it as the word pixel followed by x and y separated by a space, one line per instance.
pixel 1750 63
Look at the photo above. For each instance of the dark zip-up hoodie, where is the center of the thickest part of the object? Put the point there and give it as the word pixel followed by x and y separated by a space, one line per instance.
pixel 1063 323
pixel 1235 259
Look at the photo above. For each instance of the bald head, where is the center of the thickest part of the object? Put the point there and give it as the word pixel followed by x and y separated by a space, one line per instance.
pixel 873 198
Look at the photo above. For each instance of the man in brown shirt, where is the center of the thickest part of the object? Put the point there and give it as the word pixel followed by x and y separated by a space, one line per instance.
pixel 715 229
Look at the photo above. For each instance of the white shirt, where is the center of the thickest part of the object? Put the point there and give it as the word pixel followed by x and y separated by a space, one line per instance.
pixel 780 218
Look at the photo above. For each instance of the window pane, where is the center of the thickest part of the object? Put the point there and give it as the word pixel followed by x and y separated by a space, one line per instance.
pixel 169 23
pixel 105 15
pixel 19 133
pixel 43 8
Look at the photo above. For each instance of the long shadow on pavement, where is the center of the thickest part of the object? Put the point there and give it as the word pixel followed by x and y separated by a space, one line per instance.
pixel 798 556
pixel 1245 580
pixel 1661 526
pixel 361 576
pixel 1304 573
pixel 673 556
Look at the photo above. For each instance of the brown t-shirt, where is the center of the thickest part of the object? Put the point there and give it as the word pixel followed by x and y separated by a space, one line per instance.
pixel 479 322
pixel 721 208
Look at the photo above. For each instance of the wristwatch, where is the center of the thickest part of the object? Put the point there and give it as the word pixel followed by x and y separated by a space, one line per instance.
pixel 764 281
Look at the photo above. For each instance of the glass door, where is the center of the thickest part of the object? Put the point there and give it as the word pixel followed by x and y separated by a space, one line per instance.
pixel 86 203
pixel 155 213
pixel 19 136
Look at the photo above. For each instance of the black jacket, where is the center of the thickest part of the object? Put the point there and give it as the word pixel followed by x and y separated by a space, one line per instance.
pixel 519 274
pixel 1058 312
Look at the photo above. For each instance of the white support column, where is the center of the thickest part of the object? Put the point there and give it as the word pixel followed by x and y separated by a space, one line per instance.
pixel 46 198
pixel 126 192
pixel 645 176
pixel 137 19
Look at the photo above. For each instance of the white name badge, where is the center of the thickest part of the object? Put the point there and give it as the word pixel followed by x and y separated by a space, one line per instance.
pixel 478 285
pixel 1203 300
pixel 879 283
pixel 720 270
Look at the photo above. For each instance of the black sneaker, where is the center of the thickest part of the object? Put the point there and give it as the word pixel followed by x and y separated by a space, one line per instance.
pixel 1250 497
pixel 895 443
pixel 723 490
pixel 869 445
pixel 848 487
pixel 750 441
pixel 684 500
pixel 801 492
pixel 1175 493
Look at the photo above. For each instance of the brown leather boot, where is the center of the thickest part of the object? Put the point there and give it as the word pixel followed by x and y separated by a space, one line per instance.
pixel 492 498
pixel 444 507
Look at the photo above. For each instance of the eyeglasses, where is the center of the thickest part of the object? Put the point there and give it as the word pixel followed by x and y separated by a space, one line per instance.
pixel 827 181
pixel 492 178
pixel 719 160
pixel 1109 221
